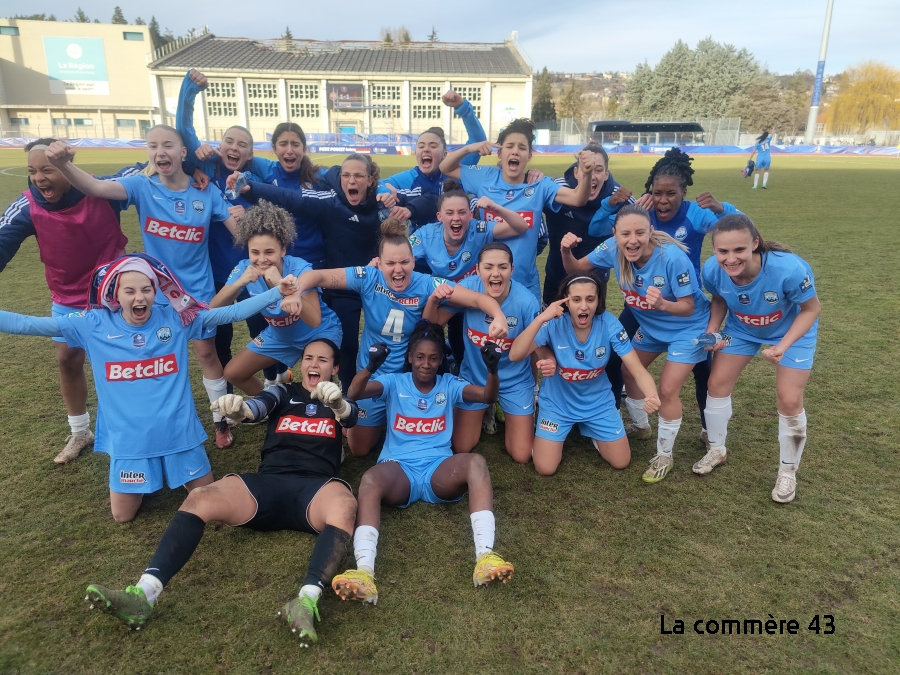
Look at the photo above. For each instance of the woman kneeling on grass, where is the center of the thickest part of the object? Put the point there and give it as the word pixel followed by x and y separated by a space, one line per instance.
pixel 146 418
pixel 574 352
pixel 417 463
pixel 766 295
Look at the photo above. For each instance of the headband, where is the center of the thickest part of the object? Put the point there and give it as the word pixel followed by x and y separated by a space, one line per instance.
pixel 591 279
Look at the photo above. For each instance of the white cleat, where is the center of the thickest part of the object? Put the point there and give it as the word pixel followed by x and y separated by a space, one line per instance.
pixel 713 458
pixel 785 487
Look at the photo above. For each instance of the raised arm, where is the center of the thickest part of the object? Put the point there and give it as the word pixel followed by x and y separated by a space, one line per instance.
pixel 433 311
pixel 361 387
pixel 60 155
pixel 194 82
pixel 512 224
pixel 579 195
pixel 681 307
pixel 451 163
pixel 524 343
pixel 247 308
pixel 15 227
pixel 570 262
pixel 466 113
pixel 474 393
pixel 463 297
pixel 22 324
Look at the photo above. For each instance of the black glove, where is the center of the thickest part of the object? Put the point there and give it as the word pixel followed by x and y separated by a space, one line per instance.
pixel 378 354
pixel 490 354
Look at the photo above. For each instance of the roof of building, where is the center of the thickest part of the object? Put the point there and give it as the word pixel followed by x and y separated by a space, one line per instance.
pixel 211 53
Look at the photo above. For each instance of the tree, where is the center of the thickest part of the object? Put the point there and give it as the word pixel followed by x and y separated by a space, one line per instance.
pixel 118 17
pixel 288 35
pixel 572 103
pixel 433 36
pixel 612 108
pixel 156 37
pixel 139 22
pixel 762 108
pixel 81 17
pixel 869 98
pixel 542 108
pixel 386 36
pixel 403 35
pixel 35 17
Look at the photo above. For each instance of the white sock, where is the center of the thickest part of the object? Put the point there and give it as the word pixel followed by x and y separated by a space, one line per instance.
pixel 310 591
pixel 79 422
pixel 151 586
pixel 792 439
pixel 637 412
pixel 717 413
pixel 281 377
pixel 268 383
pixel 482 532
pixel 216 389
pixel 755 179
pixel 666 432
pixel 365 547
pixel 765 178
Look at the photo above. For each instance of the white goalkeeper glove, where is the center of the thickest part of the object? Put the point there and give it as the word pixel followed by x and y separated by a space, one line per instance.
pixel 233 407
pixel 330 394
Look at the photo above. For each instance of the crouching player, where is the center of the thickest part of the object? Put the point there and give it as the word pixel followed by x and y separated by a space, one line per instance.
pixel 417 463
pixel 139 353
pixel 295 488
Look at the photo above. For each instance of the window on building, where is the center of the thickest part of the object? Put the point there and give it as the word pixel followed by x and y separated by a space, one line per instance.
pixel 304 110
pixel 263 109
pixel 303 92
pixel 426 112
pixel 126 123
pixel 9 30
pixel 262 90
pixel 21 121
pixel 386 112
pixel 60 121
pixel 471 93
pixel 221 108
pixel 129 35
pixel 84 122
pixel 219 89
pixel 426 93
pixel 385 92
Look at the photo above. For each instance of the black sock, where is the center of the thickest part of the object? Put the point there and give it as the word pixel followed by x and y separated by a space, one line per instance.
pixel 329 551
pixel 176 546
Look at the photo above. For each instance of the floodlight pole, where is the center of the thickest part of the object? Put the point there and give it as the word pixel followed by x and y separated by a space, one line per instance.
pixel 820 72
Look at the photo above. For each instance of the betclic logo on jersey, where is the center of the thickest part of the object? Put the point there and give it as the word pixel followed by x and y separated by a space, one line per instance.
pixel 281 322
pixel 759 320
pixel 126 371
pixel 166 230
pixel 577 374
pixel 636 300
pixel 420 425
pixel 317 426
pixel 480 339
pixel 493 216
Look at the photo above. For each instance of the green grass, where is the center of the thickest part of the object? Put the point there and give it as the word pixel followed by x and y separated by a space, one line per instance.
pixel 599 555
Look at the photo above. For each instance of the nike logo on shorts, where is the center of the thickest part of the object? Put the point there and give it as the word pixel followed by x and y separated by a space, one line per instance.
pixel 195 471
pixel 676 353
pixel 618 430
pixel 801 360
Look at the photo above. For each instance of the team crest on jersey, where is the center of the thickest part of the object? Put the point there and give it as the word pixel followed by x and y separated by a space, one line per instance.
pixel 639 335
pixel 311 410
pixel 639 281
pixel 437 281
pixel 76 314
pixel 602 247
pixel 743 298
pixel 659 282
pixel 452 265
pixel 481 226
pixel 440 399
pixel 806 284
pixel 422 404
pixel 681 233
pixel 510 195
pixel 512 321
pixel 138 340
pixel 684 279
pixel 466 256
pixel 600 352
pixel 771 297
pixel 164 334
pixel 579 355
pixel 529 191
pixel 180 206
pixel 359 272
pixel 414 240
pixel 198 205
pixel 622 337
pixel 548 425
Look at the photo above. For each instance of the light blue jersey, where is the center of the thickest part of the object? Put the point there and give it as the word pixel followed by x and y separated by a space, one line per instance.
pixel 580 387
pixel 288 329
pixel 175 228
pixel 419 426
pixel 764 153
pixel 390 316
pixel 429 248
pixel 764 310
pixel 527 199
pixel 670 270
pixel 520 308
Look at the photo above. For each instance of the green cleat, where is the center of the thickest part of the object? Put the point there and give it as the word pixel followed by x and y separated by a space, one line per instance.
pixel 499 414
pixel 129 606
pixel 356 585
pixel 299 613
pixel 659 468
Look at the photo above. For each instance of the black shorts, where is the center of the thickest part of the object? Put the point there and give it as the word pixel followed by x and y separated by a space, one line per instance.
pixel 282 500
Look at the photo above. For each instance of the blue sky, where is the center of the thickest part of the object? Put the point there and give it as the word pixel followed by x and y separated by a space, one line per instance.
pixel 572 36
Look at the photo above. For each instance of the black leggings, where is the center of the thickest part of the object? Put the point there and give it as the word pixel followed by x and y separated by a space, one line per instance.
pixel 614 368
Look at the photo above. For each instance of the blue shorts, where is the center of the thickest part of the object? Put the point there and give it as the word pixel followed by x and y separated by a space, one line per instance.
pixel 799 355
pixel 554 425
pixel 677 351
pixel 763 163
pixel 145 475
pixel 62 310
pixel 519 401
pixel 268 343
pixel 419 472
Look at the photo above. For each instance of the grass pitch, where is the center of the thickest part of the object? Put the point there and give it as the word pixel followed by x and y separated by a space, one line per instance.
pixel 600 556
